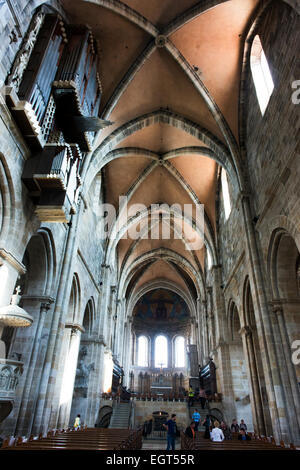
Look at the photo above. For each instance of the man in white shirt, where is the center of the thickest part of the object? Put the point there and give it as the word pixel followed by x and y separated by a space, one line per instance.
pixel 217 434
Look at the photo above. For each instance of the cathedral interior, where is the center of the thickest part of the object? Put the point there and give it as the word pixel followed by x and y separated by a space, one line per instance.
pixel 149 212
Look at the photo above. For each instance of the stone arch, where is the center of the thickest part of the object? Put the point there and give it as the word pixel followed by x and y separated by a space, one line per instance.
pixel 234 321
pixel 162 253
pixel 260 405
pixel 104 416
pixel 283 272
pixel 75 301
pixel 238 366
pixel 85 364
pixel 283 263
pixel 163 284
pixel 7 200
pixel 164 116
pixel 245 74
pixel 88 320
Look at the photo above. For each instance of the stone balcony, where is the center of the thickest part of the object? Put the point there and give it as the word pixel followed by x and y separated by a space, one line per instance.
pixel 10 372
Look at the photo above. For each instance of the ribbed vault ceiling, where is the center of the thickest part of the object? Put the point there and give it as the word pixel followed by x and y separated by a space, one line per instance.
pixel 174 61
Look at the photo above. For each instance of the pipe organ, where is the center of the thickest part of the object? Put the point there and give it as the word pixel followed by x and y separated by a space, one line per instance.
pixel 54 93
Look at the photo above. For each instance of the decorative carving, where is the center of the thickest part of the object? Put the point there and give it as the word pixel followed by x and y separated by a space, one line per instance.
pixel 23 56
pixel 246 330
pixel 160 40
pixel 10 372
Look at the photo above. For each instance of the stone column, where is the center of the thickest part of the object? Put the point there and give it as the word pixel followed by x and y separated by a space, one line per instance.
pixel 112 318
pixel 205 331
pixel 94 388
pixel 288 373
pixel 120 331
pixel 47 402
pixel 264 328
pixel 105 297
pixel 69 375
pixel 35 366
pixel 256 401
pixel 200 331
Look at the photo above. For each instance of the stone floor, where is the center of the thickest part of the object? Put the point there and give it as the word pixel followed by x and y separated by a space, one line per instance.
pixel 157 445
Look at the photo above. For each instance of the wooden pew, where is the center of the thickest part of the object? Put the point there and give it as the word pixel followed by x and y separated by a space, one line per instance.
pixel 89 439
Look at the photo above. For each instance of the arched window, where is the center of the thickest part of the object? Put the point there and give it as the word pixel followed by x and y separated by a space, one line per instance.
pixel 179 352
pixel 142 352
pixel 225 192
pixel 261 74
pixel 161 352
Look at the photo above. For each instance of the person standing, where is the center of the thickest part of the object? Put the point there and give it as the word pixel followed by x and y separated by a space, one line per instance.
pixel 191 397
pixel 170 426
pixel 217 433
pixel 196 419
pixel 206 424
pixel 234 426
pixel 77 422
pixel 202 397
pixel 243 425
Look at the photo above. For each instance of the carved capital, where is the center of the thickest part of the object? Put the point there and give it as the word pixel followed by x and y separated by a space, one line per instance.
pixel 75 328
pixel 246 330
pixel 23 56
pixel 45 306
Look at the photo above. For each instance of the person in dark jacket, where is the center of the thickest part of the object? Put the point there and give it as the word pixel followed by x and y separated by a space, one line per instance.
pixel 190 430
pixel 144 432
pixel 206 424
pixel 149 427
pixel 170 426
pixel 234 426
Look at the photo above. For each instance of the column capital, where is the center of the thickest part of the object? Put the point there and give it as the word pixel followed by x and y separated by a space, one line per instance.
pixel 44 299
pixel 75 328
pixel 243 196
pixel 216 266
pixel 45 306
pixel 246 330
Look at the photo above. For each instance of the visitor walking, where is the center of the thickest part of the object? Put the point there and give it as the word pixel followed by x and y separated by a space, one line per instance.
pixel 170 426
pixel 202 397
pixel 217 434
pixel 191 397
pixel 196 419
pixel 77 422
pixel 206 424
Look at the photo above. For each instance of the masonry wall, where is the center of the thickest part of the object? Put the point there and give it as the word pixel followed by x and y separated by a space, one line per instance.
pixel 272 150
